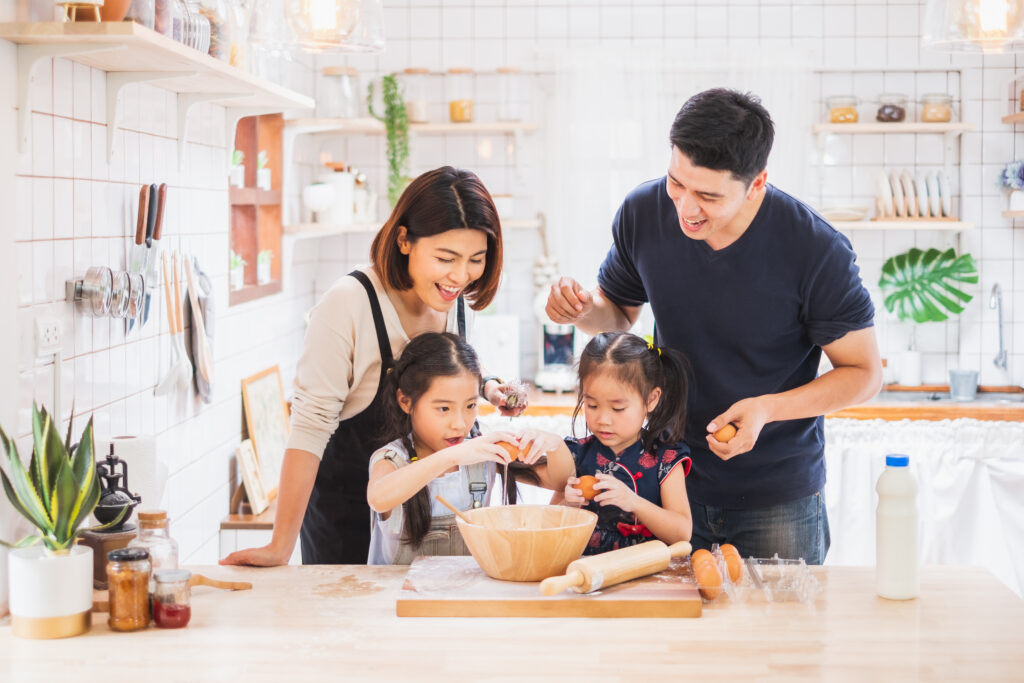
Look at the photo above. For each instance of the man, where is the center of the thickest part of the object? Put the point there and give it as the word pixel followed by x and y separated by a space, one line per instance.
pixel 752 285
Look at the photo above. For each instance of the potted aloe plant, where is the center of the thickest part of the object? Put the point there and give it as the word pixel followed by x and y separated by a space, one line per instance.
pixel 50 576
pixel 237 174
pixel 923 286
pixel 263 260
pixel 236 270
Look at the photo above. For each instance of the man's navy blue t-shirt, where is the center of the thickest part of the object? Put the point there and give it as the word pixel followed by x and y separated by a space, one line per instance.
pixel 751 318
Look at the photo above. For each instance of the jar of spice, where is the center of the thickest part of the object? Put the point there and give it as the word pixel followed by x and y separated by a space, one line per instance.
pixel 842 109
pixel 216 13
pixel 510 93
pixel 172 598
pixel 892 108
pixel 128 571
pixel 460 95
pixel 154 538
pixel 338 95
pixel 417 102
pixel 936 108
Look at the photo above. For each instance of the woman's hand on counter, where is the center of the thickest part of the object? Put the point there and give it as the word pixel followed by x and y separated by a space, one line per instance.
pixel 266 556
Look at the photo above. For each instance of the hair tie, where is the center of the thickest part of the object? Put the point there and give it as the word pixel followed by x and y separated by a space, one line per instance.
pixel 652 347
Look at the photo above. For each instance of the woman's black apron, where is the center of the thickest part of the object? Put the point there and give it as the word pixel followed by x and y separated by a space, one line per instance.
pixel 336 528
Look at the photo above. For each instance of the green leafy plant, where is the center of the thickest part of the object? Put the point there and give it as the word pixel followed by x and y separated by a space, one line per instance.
pixel 264 257
pixel 237 157
pixel 235 260
pixel 396 127
pixel 261 159
pixel 921 286
pixel 59 490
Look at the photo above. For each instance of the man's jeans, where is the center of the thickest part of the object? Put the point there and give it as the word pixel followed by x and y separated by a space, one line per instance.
pixel 795 529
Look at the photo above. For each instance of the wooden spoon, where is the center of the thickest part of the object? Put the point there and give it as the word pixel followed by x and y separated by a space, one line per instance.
pixel 200 580
pixel 458 512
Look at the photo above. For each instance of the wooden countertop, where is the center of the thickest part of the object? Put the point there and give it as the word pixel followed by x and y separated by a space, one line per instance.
pixel 893 404
pixel 321 622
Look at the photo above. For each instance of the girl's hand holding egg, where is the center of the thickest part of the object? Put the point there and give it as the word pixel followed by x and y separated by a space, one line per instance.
pixel 572 494
pixel 482 449
pixel 611 491
pixel 533 444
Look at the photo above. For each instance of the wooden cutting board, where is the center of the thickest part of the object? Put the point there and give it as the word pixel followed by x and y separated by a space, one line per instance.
pixel 457 587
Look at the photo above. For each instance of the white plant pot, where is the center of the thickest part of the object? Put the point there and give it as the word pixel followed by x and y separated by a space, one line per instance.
pixel 4 606
pixel 1017 200
pixel 51 596
pixel 908 369
pixel 237 278
pixel 263 178
pixel 263 273
pixel 237 176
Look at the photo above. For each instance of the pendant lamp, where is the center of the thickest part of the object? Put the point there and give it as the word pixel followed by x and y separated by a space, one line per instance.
pixel 336 25
pixel 974 25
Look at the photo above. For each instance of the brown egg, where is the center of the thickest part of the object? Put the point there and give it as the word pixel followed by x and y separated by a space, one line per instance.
pixel 726 432
pixel 511 448
pixel 733 561
pixel 586 486
pixel 705 571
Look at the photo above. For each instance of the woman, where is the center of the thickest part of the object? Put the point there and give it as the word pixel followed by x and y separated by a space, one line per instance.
pixel 440 248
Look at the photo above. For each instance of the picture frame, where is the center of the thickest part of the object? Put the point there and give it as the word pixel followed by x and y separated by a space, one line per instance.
pixel 252 477
pixel 266 419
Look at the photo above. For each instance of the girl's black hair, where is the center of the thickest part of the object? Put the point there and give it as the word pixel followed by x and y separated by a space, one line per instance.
pixel 634 362
pixel 427 356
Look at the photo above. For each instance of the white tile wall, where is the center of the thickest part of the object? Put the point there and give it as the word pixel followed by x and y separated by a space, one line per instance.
pixel 73 205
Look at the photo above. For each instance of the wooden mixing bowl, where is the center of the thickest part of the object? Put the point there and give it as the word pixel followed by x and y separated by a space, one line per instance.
pixel 526 542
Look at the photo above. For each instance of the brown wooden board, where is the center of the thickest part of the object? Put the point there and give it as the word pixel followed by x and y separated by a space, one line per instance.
pixel 457 587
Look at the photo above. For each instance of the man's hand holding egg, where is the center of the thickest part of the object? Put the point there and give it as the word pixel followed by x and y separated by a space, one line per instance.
pixel 736 430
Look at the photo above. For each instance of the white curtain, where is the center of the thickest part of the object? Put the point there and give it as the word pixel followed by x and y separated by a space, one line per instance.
pixel 608 123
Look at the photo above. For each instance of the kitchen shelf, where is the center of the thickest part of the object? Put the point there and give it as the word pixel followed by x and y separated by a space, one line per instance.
pixel 253 292
pixel 1014 118
pixel 253 196
pixel 131 53
pixel 952 128
pixel 303 231
pixel 1013 214
pixel 371 126
pixel 902 225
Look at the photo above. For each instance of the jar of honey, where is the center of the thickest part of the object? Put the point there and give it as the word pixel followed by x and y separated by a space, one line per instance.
pixel 128 581
pixel 842 109
pixel 936 108
pixel 460 95
pixel 892 108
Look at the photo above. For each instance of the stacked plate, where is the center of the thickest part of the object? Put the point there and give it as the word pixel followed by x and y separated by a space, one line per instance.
pixel 901 195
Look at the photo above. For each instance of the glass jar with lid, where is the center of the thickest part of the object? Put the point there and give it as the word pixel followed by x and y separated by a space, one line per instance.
pixel 417 99
pixel 510 93
pixel 892 108
pixel 338 95
pixel 128 574
pixel 142 12
pixel 842 108
pixel 460 95
pixel 154 538
pixel 936 108
pixel 172 598
pixel 216 13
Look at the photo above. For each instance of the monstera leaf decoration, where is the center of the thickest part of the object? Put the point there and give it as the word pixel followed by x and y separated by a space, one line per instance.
pixel 922 285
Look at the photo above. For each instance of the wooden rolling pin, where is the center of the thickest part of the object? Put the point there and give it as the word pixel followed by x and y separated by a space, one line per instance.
pixel 607 569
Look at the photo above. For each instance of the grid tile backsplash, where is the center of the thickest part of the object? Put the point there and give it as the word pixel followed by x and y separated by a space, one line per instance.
pixel 73 207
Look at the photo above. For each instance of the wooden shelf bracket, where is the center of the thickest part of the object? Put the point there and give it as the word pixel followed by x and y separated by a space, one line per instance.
pixel 31 54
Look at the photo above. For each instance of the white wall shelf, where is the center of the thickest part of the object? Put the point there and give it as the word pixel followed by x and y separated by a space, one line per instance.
pixel 371 126
pixel 905 224
pixel 1014 118
pixel 1013 214
pixel 956 128
pixel 131 53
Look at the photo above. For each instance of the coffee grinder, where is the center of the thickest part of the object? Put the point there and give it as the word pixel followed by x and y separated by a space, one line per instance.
pixel 114 498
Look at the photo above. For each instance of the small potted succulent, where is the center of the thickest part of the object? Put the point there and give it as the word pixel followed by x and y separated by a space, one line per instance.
pixel 262 172
pixel 236 270
pixel 920 287
pixel 236 175
pixel 50 576
pixel 263 260
pixel 1012 180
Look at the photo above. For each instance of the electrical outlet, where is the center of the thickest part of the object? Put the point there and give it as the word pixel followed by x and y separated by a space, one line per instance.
pixel 47 336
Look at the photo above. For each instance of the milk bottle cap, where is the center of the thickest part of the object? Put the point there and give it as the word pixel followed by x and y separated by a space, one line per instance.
pixel 897 460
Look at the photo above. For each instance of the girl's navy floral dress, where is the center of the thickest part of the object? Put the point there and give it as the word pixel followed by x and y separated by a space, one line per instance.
pixel 634 467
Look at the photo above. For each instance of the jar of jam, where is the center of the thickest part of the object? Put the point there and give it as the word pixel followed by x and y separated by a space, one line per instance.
pixel 936 108
pixel 172 598
pixel 128 581
pixel 842 109
pixel 892 108
pixel 460 96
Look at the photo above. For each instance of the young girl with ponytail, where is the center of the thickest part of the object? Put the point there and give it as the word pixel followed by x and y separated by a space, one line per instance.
pixel 430 409
pixel 633 397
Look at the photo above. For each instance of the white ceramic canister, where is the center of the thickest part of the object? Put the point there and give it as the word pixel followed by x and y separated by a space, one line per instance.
pixel 342 211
